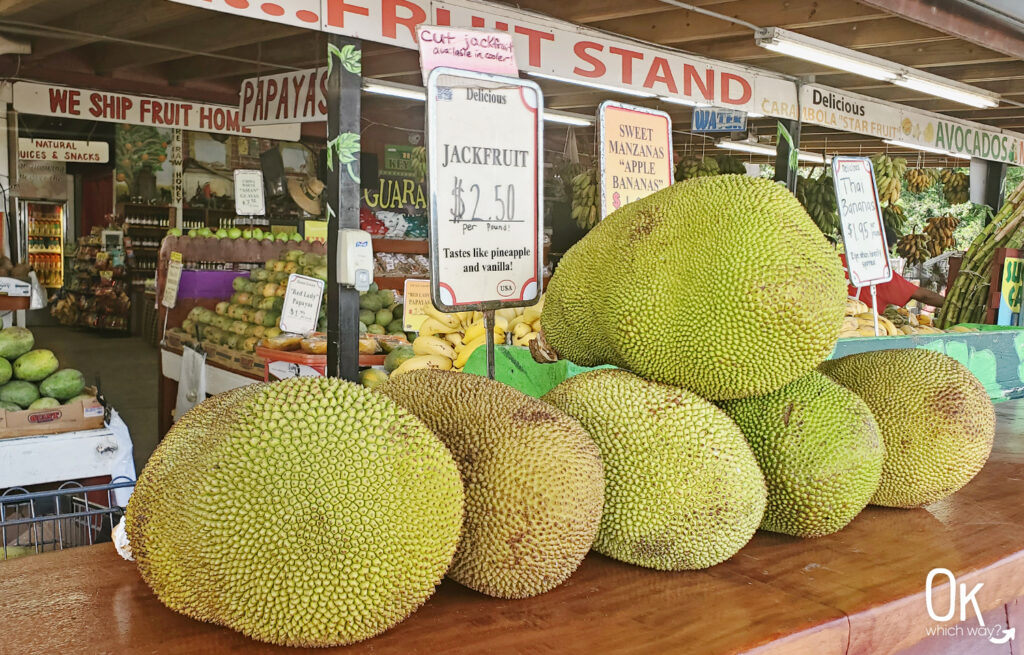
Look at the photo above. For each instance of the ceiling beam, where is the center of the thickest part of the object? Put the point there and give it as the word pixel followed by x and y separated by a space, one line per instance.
pixel 269 57
pixel 592 11
pixel 10 8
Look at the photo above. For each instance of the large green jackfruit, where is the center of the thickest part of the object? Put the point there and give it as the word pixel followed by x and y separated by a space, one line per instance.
pixel 307 512
pixel 682 488
pixel 819 449
pixel 533 478
pixel 722 285
pixel 936 418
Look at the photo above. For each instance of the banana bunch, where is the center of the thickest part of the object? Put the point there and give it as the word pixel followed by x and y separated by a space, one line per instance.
pixel 921 179
pixel 730 165
pixel 584 199
pixel 419 163
pixel 889 174
pixel 893 322
pixel 446 341
pixel 956 187
pixel 940 234
pixel 696 167
pixel 818 197
pixel 863 325
pixel 915 248
pixel 893 219
pixel 65 310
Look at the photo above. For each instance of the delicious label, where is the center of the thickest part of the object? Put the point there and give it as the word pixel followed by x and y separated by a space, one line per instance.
pixel 867 254
pixel 636 155
pixel 484 185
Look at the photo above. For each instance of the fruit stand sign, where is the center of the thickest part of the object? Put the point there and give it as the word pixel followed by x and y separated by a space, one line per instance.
pixel 174 268
pixel 417 296
pixel 636 153
pixel 485 190
pixel 249 199
pixel 302 300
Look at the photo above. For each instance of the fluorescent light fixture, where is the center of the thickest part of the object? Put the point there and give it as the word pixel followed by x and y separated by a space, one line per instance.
pixel 948 90
pixel 684 101
pixel 395 89
pixel 914 146
pixel 761 149
pixel 754 114
pixel 565 118
pixel 824 53
pixel 410 92
pixel 596 85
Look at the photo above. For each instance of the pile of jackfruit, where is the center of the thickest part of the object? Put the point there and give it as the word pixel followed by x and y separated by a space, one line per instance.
pixel 316 512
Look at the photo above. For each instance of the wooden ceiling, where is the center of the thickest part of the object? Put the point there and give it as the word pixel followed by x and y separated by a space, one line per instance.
pixel 160 47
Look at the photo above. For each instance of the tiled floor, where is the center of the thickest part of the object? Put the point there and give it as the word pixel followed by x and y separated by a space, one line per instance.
pixel 126 369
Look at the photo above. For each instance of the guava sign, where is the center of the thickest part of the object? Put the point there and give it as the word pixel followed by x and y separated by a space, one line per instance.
pixel 485 183
pixel 860 216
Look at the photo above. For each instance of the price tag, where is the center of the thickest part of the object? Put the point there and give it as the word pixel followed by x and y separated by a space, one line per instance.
pixel 302 300
pixel 417 296
pixel 249 199
pixel 485 205
pixel 174 268
pixel 636 153
pixel 867 252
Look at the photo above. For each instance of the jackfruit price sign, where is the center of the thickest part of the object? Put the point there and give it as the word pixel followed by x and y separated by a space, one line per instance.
pixel 860 218
pixel 636 153
pixel 301 309
pixel 485 166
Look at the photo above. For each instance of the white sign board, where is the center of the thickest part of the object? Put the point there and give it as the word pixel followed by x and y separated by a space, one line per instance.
pixel 485 184
pixel 109 107
pixel 296 97
pixel 174 268
pixel 283 370
pixel 302 300
pixel 249 200
pixel 860 215
pixel 636 153
pixel 89 152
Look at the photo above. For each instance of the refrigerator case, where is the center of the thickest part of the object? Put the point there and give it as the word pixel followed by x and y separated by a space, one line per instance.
pixel 42 225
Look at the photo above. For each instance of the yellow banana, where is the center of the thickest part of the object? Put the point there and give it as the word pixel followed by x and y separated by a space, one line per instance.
pixel 501 322
pixel 466 352
pixel 433 346
pixel 536 325
pixel 520 330
pixel 454 338
pixel 473 331
pixel 531 314
pixel 451 320
pixel 432 326
pixel 525 339
pixel 423 361
pixel 518 320
pixel 507 314
pixel 478 316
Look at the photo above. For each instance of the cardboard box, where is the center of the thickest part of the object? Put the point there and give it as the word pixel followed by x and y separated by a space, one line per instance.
pixel 79 415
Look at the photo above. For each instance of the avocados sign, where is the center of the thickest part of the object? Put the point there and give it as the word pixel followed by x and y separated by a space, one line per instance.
pixel 977 143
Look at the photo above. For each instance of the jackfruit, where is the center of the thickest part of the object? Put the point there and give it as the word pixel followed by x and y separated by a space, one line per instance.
pixel 533 477
pixel 307 512
pixel 938 429
pixel 685 285
pixel 683 490
pixel 819 449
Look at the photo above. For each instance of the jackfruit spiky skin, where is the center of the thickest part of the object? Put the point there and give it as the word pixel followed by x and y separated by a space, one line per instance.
pixel 819 449
pixel 308 512
pixel 936 419
pixel 682 488
pixel 533 477
pixel 721 285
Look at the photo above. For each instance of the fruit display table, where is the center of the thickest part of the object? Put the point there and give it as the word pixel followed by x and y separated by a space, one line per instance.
pixel 860 591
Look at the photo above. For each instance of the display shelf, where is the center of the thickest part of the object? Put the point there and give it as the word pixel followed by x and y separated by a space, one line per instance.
pixel 861 590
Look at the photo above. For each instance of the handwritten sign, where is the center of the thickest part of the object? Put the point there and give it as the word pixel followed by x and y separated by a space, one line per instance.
pixel 174 268
pixel 1009 304
pixel 417 296
pixel 249 199
pixel 867 252
pixel 485 209
pixel 302 300
pixel 472 50
pixel 636 153
pixel 713 119
pixel 93 152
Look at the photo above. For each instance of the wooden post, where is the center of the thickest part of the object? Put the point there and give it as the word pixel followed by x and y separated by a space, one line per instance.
pixel 344 87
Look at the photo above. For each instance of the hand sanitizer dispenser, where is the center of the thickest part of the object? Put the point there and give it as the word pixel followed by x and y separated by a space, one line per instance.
pixel 355 259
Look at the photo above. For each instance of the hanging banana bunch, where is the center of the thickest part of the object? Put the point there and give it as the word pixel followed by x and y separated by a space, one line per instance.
pixel 818 197
pixel 696 167
pixel 921 179
pixel 956 186
pixel 940 234
pixel 584 199
pixel 889 174
pixel 893 220
pixel 419 163
pixel 730 165
pixel 914 248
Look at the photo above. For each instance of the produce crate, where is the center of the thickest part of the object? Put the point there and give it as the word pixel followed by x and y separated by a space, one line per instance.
pixel 80 415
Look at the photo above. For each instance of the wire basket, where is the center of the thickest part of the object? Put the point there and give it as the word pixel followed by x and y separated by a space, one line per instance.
pixel 69 516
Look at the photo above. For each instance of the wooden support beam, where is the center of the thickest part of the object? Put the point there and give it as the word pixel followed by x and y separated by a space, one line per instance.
pixel 10 8
pixel 592 11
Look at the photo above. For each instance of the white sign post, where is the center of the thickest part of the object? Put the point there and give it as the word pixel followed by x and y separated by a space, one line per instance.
pixel 302 299
pixel 249 200
pixel 860 216
pixel 485 176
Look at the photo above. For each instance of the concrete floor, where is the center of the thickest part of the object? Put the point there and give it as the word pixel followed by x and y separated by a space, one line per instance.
pixel 126 370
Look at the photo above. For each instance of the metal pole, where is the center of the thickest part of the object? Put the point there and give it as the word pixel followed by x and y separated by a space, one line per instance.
pixel 489 329
pixel 344 86
pixel 874 307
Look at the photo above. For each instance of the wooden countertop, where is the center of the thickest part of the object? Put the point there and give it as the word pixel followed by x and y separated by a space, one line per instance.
pixel 860 591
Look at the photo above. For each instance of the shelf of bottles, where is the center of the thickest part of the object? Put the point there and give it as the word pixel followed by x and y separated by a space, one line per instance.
pixel 144 229
pixel 46 243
